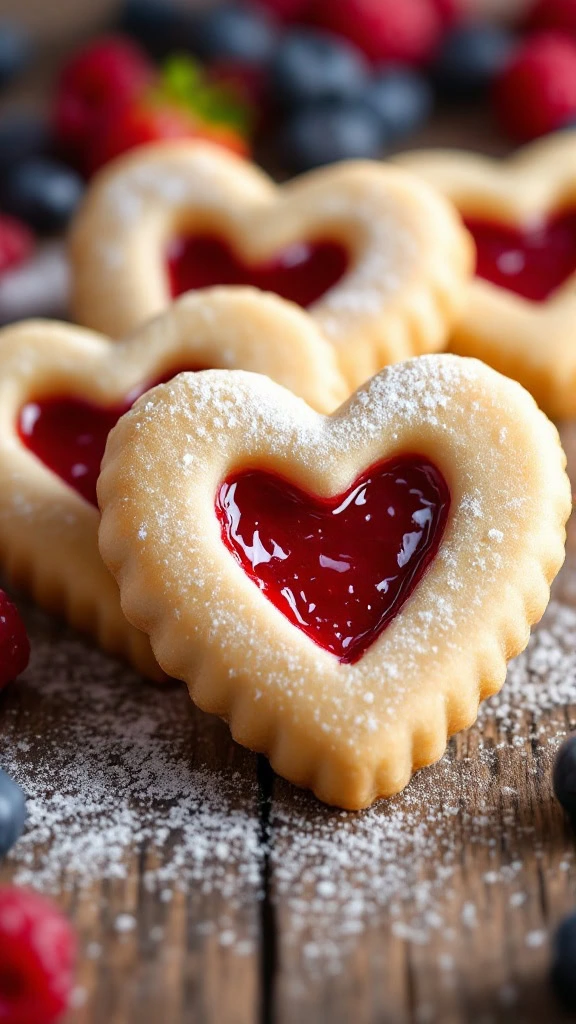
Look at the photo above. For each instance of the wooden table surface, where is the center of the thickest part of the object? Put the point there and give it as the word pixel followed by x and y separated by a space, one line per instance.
pixel 207 891
pixel 433 908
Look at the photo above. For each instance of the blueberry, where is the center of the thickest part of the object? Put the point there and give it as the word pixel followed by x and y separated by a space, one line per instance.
pixel 22 136
pixel 310 66
pixel 401 98
pixel 564 777
pixel 564 962
pixel 324 132
pixel 41 192
pixel 470 56
pixel 235 33
pixel 14 51
pixel 158 25
pixel 12 813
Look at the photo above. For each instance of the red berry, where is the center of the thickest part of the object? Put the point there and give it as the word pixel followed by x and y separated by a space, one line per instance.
pixel 14 650
pixel 103 74
pixel 16 243
pixel 37 954
pixel 450 11
pixel 407 31
pixel 286 10
pixel 134 125
pixel 555 15
pixel 137 124
pixel 536 92
pixel 245 81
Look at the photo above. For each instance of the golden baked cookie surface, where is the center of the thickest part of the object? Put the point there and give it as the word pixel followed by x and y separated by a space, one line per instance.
pixel 351 732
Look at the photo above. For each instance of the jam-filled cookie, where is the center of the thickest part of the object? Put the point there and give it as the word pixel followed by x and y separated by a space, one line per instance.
pixel 377 257
pixel 521 312
pixel 345 589
pixel 62 388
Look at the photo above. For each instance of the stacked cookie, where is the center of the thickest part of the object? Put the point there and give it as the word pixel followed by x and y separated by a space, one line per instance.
pixel 342 582
pixel 519 314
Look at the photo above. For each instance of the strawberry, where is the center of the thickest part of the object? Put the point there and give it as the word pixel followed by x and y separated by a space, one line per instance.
pixel 386 30
pixel 184 106
pixel 246 82
pixel 536 92
pixel 137 124
pixel 109 71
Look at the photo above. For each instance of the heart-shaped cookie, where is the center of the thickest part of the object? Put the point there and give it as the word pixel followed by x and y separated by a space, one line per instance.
pixel 62 388
pixel 378 258
pixel 522 304
pixel 345 589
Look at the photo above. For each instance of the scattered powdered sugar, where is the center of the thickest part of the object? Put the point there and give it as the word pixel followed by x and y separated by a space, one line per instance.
pixel 111 769
pixel 116 771
pixel 536 938
pixel 125 923
pixel 542 679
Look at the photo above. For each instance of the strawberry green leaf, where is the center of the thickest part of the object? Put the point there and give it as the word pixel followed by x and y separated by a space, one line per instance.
pixel 184 84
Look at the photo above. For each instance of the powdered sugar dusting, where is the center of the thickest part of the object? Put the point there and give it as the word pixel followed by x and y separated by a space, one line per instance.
pixel 384 217
pixel 201 179
pixel 117 768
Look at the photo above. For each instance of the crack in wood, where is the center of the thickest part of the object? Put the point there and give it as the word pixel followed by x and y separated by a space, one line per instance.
pixel 268 943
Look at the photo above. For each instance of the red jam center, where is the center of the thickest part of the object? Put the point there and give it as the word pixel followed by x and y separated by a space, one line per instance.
pixel 302 272
pixel 69 434
pixel 532 261
pixel 338 568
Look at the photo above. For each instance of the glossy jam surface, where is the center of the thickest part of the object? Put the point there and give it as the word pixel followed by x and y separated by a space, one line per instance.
pixel 341 568
pixel 533 261
pixel 302 272
pixel 69 435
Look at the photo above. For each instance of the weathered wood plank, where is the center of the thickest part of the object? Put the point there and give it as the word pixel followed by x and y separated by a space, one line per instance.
pixel 176 935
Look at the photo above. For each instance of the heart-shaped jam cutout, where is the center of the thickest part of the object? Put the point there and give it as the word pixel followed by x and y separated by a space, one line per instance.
pixel 340 568
pixel 302 272
pixel 69 434
pixel 532 261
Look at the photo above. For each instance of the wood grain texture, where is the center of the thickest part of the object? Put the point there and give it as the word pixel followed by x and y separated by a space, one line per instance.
pixel 170 966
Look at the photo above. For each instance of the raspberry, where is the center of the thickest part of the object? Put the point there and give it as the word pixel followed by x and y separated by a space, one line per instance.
pixel 103 74
pixel 14 647
pixel 16 246
pixel 386 30
pixel 286 10
pixel 450 11
pixel 554 15
pixel 37 954
pixel 536 92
